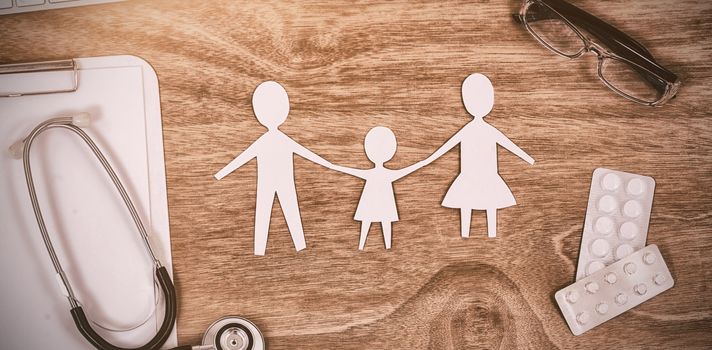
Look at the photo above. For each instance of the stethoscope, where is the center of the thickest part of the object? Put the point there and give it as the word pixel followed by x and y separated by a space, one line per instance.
pixel 229 333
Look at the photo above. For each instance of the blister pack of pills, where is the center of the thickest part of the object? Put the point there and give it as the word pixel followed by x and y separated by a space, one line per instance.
pixel 617 218
pixel 614 289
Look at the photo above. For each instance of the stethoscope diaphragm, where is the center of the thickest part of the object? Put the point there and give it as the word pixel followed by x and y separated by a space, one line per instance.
pixel 234 333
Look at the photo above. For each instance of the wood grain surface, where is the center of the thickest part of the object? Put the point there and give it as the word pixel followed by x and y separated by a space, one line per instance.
pixel 351 66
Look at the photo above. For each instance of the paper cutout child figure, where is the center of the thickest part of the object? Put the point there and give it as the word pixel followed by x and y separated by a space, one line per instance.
pixel 378 202
pixel 479 185
pixel 275 168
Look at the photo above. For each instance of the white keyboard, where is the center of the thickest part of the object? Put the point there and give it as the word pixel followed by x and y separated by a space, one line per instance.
pixel 16 6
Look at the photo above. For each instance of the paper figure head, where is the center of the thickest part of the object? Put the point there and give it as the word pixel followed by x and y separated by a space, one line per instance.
pixel 477 95
pixel 380 145
pixel 270 104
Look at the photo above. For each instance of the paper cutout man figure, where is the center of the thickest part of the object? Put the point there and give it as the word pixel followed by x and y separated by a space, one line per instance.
pixel 378 202
pixel 479 185
pixel 275 165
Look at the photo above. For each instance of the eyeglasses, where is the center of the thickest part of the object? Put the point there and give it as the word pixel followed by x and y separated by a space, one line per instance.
pixel 624 65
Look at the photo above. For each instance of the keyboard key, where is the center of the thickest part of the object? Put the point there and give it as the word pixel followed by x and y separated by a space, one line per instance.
pixel 17 6
pixel 29 2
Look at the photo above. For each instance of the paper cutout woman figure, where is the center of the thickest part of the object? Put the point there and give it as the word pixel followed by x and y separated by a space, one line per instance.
pixel 479 185
pixel 274 151
pixel 378 202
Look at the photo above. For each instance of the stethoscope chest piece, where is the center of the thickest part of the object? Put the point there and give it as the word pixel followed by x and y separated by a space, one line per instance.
pixel 234 333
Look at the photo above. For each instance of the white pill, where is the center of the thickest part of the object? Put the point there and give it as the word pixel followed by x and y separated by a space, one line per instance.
pixel 607 204
pixel 640 289
pixel 611 182
pixel 591 287
pixel 659 278
pixel 572 296
pixel 623 250
pixel 611 278
pixel 600 247
pixel 635 187
pixel 604 225
pixel 628 230
pixel 630 268
pixel 621 299
pixel 649 258
pixel 602 308
pixel 582 318
pixel 632 209
pixel 594 266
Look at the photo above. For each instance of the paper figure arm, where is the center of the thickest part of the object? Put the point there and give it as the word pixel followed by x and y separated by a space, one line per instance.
pixel 409 169
pixel 309 155
pixel 240 160
pixel 510 146
pixel 360 173
pixel 452 142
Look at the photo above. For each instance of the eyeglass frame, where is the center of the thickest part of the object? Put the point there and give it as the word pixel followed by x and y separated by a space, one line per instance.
pixel 638 57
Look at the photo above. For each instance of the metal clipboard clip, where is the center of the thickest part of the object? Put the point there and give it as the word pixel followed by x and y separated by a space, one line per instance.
pixel 41 67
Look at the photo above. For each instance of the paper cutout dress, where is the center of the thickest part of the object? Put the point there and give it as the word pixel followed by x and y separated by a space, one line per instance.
pixel 479 177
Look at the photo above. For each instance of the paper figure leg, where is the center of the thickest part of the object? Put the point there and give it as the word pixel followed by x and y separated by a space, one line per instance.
pixel 263 213
pixel 365 226
pixel 465 216
pixel 290 209
pixel 386 226
pixel 491 223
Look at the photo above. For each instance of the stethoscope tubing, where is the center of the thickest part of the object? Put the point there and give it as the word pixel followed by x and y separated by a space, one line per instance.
pixel 162 276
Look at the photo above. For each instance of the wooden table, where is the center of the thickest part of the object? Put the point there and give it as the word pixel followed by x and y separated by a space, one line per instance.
pixel 350 67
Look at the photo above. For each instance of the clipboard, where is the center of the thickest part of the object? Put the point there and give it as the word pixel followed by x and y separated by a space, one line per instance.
pixel 93 233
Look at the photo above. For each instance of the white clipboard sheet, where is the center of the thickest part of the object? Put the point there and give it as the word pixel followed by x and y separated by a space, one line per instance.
pixel 90 227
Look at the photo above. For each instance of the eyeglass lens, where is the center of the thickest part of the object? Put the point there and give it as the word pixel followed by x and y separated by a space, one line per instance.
pixel 630 80
pixel 553 30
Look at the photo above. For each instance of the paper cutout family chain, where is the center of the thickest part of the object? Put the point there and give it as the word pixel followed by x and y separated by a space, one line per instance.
pixel 477 187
